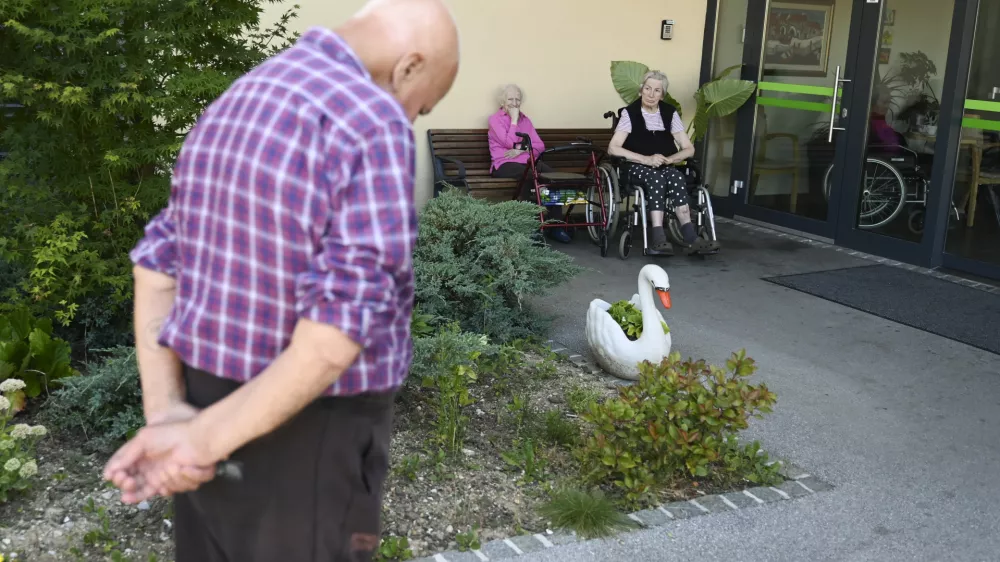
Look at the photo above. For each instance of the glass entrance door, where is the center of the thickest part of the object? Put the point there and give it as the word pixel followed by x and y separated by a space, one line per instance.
pixel 846 103
pixel 973 237
pixel 804 52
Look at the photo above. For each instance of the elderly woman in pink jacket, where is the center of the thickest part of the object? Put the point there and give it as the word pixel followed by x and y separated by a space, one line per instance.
pixel 509 153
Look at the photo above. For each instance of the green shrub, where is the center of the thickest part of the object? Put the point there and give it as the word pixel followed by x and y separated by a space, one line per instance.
pixel 18 466
pixel 446 349
pixel 746 464
pixel 29 352
pixel 674 421
pixel 559 430
pixel 451 400
pixel 476 263
pixel 393 549
pixel 579 398
pixel 525 456
pixel 590 514
pixel 104 405
pixel 630 319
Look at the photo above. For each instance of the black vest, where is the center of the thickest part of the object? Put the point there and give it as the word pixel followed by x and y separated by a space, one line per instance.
pixel 643 141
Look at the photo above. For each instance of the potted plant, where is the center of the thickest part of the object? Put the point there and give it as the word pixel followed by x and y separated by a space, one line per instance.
pixel 718 98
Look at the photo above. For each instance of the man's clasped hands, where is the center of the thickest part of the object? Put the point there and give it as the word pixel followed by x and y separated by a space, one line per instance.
pixel 168 456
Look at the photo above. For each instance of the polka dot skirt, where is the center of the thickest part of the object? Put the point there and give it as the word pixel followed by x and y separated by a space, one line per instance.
pixel 659 184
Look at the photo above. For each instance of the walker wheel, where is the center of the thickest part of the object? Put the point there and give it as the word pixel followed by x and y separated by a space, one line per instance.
pixel 604 244
pixel 624 245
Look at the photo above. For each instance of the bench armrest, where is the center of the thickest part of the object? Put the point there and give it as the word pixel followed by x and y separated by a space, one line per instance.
pixel 455 161
pixel 440 179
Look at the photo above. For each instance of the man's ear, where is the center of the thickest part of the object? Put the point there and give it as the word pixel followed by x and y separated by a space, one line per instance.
pixel 408 68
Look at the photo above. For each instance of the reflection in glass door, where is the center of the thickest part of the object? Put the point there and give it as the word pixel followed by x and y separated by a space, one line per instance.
pixel 903 117
pixel 974 232
pixel 805 47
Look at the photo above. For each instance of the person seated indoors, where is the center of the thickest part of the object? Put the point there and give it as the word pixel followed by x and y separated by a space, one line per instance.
pixel 642 138
pixel 509 153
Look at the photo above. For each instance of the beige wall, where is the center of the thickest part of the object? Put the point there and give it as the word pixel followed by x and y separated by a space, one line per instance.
pixel 559 51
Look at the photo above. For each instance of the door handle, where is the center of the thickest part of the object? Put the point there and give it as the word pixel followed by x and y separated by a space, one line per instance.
pixel 833 105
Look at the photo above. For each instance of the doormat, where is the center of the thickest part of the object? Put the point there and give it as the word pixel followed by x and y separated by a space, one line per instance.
pixel 914 299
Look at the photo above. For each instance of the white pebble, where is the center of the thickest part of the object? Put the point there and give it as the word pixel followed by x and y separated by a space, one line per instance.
pixel 143 506
pixel 449 529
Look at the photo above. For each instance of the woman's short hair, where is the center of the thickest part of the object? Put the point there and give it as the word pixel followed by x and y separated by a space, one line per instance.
pixel 502 96
pixel 657 75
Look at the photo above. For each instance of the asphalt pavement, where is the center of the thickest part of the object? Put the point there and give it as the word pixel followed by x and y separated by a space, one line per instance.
pixel 901 422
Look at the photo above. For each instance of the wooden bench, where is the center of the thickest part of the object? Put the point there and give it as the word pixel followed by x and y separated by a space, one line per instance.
pixel 461 157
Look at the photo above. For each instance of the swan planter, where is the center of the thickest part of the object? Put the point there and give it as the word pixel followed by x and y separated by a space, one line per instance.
pixel 614 351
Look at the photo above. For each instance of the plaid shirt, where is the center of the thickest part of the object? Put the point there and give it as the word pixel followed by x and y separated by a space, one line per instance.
pixel 292 197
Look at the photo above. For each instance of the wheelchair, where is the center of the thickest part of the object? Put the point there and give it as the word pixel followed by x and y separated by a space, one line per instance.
pixel 627 215
pixel 894 180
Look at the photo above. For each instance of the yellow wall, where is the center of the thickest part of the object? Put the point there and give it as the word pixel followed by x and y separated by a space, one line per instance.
pixel 558 51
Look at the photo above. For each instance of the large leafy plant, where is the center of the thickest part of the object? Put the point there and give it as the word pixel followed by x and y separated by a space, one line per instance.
pixel 101 94
pixel 29 352
pixel 674 422
pixel 718 98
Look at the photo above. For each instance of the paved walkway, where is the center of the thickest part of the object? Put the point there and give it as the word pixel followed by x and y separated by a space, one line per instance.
pixel 903 423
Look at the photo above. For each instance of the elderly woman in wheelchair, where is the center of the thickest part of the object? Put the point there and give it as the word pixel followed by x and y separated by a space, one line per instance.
pixel 642 139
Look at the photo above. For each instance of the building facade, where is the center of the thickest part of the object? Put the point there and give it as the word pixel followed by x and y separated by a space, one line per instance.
pixel 875 125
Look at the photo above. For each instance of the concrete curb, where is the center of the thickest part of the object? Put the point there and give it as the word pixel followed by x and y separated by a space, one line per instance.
pixel 869 257
pixel 799 484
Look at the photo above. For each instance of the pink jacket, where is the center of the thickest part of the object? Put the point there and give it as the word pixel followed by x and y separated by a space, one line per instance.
pixel 503 138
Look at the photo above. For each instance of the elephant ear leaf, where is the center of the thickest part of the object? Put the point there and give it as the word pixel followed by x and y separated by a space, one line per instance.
pixel 724 97
pixel 726 71
pixel 627 79
pixel 719 99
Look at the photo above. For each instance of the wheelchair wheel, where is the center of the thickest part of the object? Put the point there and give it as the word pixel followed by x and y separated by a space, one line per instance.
pixel 604 244
pixel 882 197
pixel 883 194
pixel 609 189
pixel 625 244
pixel 677 237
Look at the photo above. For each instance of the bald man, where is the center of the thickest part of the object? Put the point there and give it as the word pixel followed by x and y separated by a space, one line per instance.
pixel 273 295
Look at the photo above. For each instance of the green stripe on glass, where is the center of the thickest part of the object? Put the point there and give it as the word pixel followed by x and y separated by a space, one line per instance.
pixel 985 124
pixel 798 88
pixel 983 105
pixel 795 104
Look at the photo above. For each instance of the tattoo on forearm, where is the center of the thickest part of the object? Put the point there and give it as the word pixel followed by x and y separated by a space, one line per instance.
pixel 153 333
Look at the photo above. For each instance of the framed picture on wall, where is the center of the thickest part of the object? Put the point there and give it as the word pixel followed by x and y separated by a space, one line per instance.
pixel 797 38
